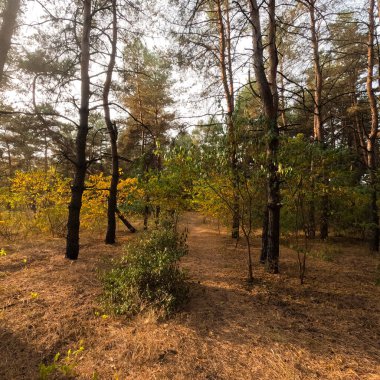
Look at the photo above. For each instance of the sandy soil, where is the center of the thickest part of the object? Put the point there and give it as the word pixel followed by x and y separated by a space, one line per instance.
pixel 328 328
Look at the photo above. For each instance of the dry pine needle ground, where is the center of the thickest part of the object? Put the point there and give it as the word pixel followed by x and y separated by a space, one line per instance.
pixel 327 329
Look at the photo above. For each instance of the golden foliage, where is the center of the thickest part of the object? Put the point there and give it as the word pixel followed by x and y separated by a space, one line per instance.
pixel 38 201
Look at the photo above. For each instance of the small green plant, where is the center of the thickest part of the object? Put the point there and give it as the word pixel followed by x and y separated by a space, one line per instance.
pixel 326 253
pixel 64 366
pixel 34 295
pixel 148 275
pixel 2 252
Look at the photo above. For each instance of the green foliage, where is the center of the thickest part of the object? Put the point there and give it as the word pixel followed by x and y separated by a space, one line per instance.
pixel 63 367
pixel 215 182
pixel 147 97
pixel 148 275
pixel 325 253
pixel 306 165
pixel 172 188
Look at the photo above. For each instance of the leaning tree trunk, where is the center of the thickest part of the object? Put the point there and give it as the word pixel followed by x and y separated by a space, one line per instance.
pixel 77 188
pixel 112 132
pixel 6 32
pixel 125 221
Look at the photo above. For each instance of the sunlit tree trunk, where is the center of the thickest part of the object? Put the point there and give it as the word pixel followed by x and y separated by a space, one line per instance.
pixel 319 137
pixel 318 79
pixel 77 188
pixel 225 66
pixel 359 131
pixel 372 137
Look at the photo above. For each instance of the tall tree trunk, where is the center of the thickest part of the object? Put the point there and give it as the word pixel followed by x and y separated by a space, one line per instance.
pixel 235 180
pixel 77 188
pixel 269 97
pixel 372 137
pixel 319 137
pixel 283 98
pixel 264 238
pixel 318 79
pixel 225 67
pixel 112 132
pixel 359 131
pixel 6 32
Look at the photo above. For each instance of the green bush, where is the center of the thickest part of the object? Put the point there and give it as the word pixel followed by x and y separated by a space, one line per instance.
pixel 148 275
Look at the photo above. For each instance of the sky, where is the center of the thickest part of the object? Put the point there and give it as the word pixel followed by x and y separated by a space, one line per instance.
pixel 190 106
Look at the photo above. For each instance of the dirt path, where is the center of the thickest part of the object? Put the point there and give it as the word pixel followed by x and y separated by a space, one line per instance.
pixel 327 329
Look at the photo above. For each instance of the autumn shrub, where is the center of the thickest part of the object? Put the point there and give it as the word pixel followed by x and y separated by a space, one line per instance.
pixel 37 201
pixel 212 198
pixel 148 276
pixel 9 226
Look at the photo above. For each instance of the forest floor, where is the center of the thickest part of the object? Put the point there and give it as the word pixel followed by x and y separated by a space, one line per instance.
pixel 328 328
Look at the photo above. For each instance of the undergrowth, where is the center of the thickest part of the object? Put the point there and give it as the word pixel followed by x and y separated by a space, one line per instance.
pixel 377 279
pixel 62 367
pixel 148 275
pixel 326 253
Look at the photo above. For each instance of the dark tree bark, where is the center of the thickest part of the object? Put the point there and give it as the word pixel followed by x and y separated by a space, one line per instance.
pixel 269 97
pixel 264 238
pixel 77 188
pixel 112 132
pixel 125 221
pixel 6 32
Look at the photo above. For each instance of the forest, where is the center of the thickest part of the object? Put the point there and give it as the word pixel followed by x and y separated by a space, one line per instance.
pixel 189 189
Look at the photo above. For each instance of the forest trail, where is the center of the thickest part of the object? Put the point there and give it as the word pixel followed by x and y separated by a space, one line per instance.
pixel 275 329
